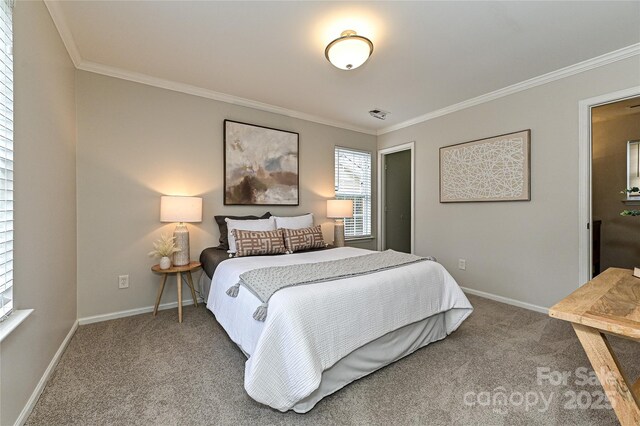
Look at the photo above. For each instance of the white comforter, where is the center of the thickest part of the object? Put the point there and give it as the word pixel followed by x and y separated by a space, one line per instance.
pixel 311 327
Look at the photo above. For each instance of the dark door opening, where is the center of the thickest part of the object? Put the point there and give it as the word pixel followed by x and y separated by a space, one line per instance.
pixel 397 184
pixel 615 167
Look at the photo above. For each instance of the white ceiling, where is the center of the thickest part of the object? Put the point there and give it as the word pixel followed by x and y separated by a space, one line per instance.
pixel 427 55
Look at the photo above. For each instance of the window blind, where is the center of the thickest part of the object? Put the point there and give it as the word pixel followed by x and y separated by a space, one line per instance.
pixel 353 182
pixel 6 158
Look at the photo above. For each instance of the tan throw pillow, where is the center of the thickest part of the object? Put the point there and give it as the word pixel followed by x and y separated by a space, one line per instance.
pixel 254 243
pixel 303 239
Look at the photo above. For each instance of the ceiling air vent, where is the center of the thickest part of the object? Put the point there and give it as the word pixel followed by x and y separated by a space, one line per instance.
pixel 379 114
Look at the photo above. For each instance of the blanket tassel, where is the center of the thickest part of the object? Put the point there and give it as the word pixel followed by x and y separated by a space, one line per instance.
pixel 233 290
pixel 261 313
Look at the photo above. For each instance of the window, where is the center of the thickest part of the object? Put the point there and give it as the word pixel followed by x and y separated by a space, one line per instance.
pixel 353 182
pixel 6 158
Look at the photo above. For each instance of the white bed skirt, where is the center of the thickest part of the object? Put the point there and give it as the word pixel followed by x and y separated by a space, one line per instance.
pixel 375 355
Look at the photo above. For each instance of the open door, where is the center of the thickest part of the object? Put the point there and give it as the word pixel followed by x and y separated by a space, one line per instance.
pixel 587 264
pixel 397 176
pixel 396 183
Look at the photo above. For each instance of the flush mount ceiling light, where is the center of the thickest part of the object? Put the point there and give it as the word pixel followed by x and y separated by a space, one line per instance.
pixel 349 51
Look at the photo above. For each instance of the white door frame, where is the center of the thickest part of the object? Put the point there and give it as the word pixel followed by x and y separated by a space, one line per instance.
pixel 381 192
pixel 584 175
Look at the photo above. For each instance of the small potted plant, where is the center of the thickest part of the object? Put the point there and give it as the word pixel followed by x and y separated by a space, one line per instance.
pixel 163 249
pixel 632 192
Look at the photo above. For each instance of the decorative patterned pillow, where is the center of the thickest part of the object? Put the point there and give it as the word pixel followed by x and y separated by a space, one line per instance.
pixel 254 243
pixel 247 225
pixel 303 239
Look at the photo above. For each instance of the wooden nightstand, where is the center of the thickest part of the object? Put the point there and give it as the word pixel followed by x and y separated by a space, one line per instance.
pixel 178 270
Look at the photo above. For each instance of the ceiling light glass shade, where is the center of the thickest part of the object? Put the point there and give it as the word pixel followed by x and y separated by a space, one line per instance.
pixel 349 51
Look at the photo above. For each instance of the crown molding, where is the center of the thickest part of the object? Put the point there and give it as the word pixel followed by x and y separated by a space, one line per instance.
pixel 57 15
pixel 598 61
pixel 63 29
pixel 67 38
pixel 210 94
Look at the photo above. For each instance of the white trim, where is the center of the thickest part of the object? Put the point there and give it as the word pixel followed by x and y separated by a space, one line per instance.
pixel 210 94
pixel 381 191
pixel 35 395
pixel 67 38
pixel 131 312
pixel 506 300
pixel 14 319
pixel 363 238
pixel 57 16
pixel 584 175
pixel 598 61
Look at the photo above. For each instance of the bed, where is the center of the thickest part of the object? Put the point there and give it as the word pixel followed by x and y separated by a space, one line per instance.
pixel 317 338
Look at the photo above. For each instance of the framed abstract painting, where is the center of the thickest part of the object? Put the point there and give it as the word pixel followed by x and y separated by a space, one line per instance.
pixel 490 169
pixel 260 165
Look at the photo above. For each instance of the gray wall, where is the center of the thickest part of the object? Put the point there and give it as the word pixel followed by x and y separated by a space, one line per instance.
pixel 619 235
pixel 137 142
pixel 45 204
pixel 527 251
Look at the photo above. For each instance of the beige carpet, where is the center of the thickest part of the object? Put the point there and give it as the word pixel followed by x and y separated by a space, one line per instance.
pixel 154 371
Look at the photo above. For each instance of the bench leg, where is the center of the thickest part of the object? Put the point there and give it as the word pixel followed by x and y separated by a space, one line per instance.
pixel 606 366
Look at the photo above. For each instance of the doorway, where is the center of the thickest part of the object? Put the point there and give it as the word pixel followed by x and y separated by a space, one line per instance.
pixel 585 177
pixel 615 165
pixel 396 198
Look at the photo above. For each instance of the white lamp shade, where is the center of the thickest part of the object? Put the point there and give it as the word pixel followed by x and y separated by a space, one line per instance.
pixel 337 209
pixel 180 209
pixel 349 51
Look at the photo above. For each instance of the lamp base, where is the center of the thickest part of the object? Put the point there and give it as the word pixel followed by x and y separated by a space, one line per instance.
pixel 181 235
pixel 338 233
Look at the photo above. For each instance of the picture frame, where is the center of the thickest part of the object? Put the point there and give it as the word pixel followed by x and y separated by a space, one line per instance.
pixel 497 168
pixel 261 165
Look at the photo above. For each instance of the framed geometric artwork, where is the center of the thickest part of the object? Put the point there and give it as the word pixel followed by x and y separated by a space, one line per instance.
pixel 260 165
pixel 490 169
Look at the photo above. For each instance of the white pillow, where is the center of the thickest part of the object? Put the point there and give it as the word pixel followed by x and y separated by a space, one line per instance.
pixel 294 222
pixel 247 225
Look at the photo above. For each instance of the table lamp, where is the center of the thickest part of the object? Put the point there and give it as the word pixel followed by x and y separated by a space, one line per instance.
pixel 181 210
pixel 338 210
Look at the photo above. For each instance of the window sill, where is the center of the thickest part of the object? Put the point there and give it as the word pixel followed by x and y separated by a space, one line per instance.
pixel 15 319
pixel 370 237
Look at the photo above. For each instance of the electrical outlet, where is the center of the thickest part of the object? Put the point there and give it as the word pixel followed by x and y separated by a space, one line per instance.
pixel 462 264
pixel 123 281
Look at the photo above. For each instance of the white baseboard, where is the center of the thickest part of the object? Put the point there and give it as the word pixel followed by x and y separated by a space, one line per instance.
pixel 22 418
pixel 131 312
pixel 506 300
